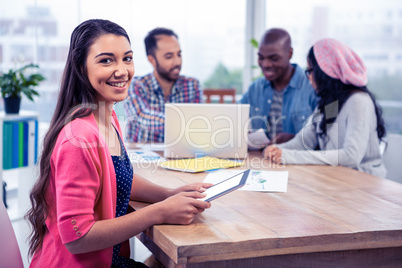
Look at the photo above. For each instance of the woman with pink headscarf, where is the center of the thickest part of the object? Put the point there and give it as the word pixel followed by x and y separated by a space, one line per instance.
pixel 346 127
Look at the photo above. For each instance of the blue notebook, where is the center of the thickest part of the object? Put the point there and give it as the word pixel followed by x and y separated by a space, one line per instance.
pixel 7 145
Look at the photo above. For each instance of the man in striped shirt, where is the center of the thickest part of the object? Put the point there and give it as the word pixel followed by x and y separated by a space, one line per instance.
pixel 147 95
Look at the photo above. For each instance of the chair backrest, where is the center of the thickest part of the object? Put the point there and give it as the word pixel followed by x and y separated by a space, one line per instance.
pixel 392 157
pixel 10 255
pixel 221 92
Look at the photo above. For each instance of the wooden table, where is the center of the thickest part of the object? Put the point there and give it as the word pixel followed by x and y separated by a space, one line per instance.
pixel 329 217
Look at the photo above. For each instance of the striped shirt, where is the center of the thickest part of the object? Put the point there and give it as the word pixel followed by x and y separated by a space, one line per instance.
pixel 145 106
pixel 275 124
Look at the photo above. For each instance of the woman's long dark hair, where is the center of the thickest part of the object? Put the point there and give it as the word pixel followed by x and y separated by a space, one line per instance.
pixel 331 90
pixel 76 99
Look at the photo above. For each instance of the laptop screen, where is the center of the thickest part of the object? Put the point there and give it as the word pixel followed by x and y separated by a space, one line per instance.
pixel 206 129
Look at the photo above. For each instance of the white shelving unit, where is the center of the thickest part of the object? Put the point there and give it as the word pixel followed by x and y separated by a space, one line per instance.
pixel 25 175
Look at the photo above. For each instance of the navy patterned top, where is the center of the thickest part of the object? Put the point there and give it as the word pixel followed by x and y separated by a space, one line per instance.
pixel 124 179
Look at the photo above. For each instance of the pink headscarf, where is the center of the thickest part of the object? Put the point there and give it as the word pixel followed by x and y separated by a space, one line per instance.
pixel 340 62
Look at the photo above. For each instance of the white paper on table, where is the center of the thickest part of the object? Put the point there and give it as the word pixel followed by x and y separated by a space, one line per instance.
pixel 258 180
pixel 144 156
pixel 257 139
pixel 154 146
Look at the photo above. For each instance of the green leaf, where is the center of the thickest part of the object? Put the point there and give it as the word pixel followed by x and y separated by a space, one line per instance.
pixel 254 43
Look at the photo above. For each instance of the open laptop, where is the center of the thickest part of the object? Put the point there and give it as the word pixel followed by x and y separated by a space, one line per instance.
pixel 206 129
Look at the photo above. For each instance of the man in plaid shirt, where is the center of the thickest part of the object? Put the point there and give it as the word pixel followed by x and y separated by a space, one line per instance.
pixel 147 95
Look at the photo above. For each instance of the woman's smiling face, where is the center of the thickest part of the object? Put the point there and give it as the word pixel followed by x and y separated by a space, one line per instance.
pixel 110 67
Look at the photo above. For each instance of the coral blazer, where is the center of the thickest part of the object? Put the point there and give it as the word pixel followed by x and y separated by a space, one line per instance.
pixel 82 190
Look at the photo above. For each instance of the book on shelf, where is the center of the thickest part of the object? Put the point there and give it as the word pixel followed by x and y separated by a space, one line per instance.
pixel 20 143
pixel 15 149
pixel 32 141
pixel 26 144
pixel 7 145
pixel 199 164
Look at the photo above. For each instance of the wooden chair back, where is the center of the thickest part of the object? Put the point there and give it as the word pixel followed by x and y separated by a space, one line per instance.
pixel 221 92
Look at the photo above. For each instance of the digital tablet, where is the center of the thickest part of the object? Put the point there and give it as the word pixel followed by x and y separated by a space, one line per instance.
pixel 226 186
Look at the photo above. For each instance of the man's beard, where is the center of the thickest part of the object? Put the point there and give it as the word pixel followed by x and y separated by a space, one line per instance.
pixel 166 74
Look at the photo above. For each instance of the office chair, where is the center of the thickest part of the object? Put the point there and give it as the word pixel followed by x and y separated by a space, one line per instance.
pixel 221 92
pixel 391 157
pixel 10 255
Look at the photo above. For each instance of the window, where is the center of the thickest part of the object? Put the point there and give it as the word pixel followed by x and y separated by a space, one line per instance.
pixel 372 29
pixel 210 33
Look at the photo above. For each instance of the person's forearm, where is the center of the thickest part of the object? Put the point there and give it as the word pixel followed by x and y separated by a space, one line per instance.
pixel 107 233
pixel 348 157
pixel 146 191
pixel 177 209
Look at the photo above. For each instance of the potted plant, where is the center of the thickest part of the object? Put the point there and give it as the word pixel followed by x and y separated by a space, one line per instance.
pixel 16 82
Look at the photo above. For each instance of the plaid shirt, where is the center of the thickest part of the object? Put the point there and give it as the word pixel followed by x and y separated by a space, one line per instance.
pixel 145 106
